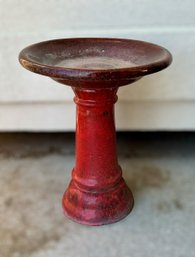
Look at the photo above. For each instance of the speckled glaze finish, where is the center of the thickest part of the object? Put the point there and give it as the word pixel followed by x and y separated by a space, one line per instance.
pixel 95 68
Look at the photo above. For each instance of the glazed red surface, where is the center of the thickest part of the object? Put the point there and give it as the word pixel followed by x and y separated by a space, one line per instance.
pixel 95 68
pixel 97 194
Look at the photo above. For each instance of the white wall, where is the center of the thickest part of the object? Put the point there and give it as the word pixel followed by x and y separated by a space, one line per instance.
pixel 165 100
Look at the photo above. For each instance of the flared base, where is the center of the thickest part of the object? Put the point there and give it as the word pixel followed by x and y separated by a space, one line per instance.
pixel 95 208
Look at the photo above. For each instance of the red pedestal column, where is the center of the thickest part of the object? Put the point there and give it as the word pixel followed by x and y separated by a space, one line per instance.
pixel 97 193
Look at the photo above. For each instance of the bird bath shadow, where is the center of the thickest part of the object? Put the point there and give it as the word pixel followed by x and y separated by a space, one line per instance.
pixel 141 178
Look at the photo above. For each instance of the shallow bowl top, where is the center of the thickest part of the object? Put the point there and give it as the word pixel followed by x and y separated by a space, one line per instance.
pixel 94 58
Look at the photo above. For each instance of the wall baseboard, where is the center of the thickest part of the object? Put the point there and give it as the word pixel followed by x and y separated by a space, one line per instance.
pixel 130 115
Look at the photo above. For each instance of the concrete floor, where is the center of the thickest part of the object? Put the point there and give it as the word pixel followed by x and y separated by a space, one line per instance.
pixel 35 170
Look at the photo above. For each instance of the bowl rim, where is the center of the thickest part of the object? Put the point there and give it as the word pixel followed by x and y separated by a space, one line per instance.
pixel 94 74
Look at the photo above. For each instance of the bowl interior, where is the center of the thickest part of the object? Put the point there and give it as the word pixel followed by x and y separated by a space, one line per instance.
pixel 95 54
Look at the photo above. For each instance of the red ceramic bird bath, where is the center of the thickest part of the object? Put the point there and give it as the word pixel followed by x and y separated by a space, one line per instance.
pixel 95 68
